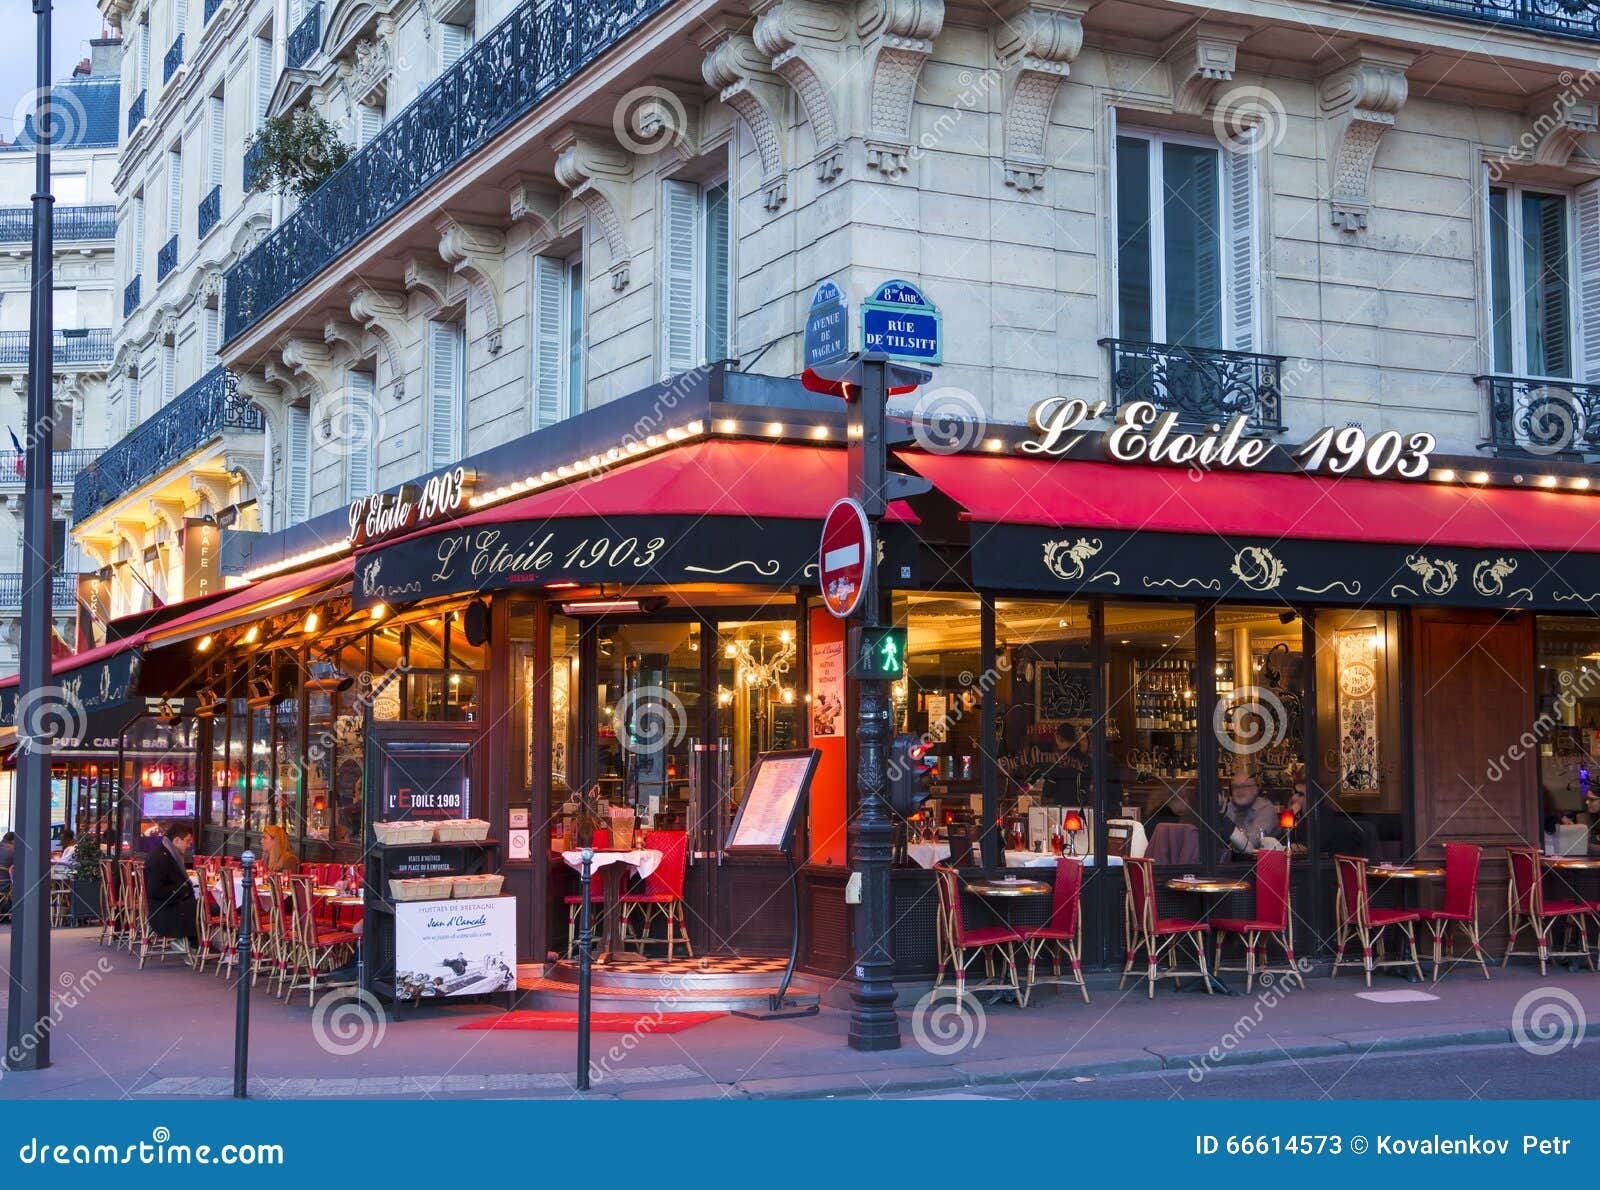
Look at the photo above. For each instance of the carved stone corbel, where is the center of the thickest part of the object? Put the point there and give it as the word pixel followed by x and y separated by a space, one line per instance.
pixel 1360 100
pixel 383 313
pixel 477 253
pixel 337 330
pixel 538 204
pixel 1036 44
pixel 805 40
pixel 425 277
pixel 170 511
pixel 897 37
pixel 1199 58
pixel 735 67
pixel 1560 120
pixel 310 363
pixel 597 171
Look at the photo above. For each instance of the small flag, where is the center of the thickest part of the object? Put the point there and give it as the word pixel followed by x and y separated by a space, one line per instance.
pixel 21 465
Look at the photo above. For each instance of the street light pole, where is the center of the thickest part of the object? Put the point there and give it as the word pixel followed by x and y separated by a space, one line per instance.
pixel 28 1009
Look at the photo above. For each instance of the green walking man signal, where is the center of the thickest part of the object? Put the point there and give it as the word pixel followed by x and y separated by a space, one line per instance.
pixel 878 652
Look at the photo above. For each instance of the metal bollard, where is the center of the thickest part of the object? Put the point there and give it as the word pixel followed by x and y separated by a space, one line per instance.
pixel 241 1021
pixel 585 946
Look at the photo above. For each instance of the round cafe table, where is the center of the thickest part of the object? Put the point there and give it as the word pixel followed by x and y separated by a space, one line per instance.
pixel 1210 887
pixel 1003 889
pixel 1411 877
pixel 1573 863
pixel 609 864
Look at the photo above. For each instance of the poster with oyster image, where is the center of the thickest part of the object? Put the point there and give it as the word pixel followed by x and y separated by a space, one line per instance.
pixel 455 948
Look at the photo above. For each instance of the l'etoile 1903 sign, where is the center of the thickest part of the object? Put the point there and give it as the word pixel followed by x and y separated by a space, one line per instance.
pixel 386 514
pixel 1141 433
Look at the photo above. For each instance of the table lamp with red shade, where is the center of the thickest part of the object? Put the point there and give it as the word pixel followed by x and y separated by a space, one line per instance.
pixel 1286 820
pixel 1072 823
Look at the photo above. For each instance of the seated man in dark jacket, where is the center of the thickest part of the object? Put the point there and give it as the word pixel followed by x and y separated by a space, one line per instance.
pixel 167 888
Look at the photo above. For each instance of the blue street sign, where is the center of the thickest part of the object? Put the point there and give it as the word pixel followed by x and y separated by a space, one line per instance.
pixel 827 326
pixel 900 321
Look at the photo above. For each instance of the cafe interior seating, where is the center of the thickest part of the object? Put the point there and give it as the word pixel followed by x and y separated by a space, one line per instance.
pixel 1273 921
pixel 1357 920
pixel 960 945
pixel 1158 937
pixel 1530 910
pixel 1460 909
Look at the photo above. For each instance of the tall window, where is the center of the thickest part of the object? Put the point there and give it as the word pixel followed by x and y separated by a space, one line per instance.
pixel 360 428
pixel 446 393
pixel 136 236
pixel 1530 285
pixel 454 40
pixel 263 78
pixel 369 122
pixel 169 372
pixel 71 190
pixel 696 268
pixel 66 316
pixel 174 192
pixel 558 339
pixel 212 330
pixel 1185 242
pixel 217 131
pixel 297 465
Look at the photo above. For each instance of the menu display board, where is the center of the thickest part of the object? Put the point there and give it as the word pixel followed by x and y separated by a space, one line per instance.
pixel 777 786
pixel 169 804
pixel 455 948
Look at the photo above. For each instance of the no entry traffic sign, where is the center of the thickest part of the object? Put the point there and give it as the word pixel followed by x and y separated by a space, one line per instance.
pixel 845 557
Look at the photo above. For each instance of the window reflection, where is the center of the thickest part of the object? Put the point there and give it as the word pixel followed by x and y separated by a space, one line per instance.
pixel 1568 729
pixel 1259 726
pixel 758 706
pixel 1358 732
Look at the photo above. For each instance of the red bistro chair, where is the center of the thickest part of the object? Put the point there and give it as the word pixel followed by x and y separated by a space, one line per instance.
pixel 1158 937
pixel 959 945
pixel 1272 920
pixel 1530 911
pixel 1357 919
pixel 663 890
pixel 1060 935
pixel 1461 863
pixel 600 841
pixel 316 951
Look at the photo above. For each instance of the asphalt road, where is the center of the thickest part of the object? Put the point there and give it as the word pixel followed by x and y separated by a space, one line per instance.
pixel 1490 1072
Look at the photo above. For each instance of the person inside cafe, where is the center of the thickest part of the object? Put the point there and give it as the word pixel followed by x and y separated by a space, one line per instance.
pixel 1247 816
pixel 277 853
pixel 1068 775
pixel 168 892
pixel 68 842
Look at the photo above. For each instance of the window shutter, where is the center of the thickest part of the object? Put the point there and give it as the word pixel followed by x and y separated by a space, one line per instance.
pixel 368 123
pixel 549 303
pixel 679 346
pixel 263 79
pixel 358 463
pixel 1243 241
pixel 174 193
pixel 180 18
pixel 169 372
pixel 453 42
pixel 575 368
pixel 444 393
pixel 1587 199
pixel 297 463
pixel 138 236
pixel 1555 330
pixel 719 280
pixel 65 316
pixel 213 335
pixel 219 139
pixel 144 54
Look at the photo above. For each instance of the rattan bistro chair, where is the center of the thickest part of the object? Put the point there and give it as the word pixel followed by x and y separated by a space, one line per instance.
pixel 1357 920
pixel 1529 910
pixel 1460 909
pixel 1158 937
pixel 113 923
pixel 959 944
pixel 1273 921
pixel 1061 934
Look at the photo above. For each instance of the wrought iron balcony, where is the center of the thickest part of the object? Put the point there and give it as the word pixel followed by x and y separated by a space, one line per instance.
pixel 304 39
pixel 1570 18
pixel 97 222
pixel 64 465
pixel 539 48
pixel 211 9
pixel 199 414
pixel 173 60
pixel 1552 418
pixel 130 297
pixel 63 590
pixel 1200 384
pixel 167 258
pixel 136 113
pixel 90 346
pixel 252 156
pixel 210 210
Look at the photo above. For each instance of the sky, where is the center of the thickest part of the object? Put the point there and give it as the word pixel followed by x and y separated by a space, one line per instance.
pixel 74 23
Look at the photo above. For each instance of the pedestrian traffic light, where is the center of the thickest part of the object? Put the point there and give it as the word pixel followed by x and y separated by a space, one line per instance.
pixel 877 653
pixel 909 770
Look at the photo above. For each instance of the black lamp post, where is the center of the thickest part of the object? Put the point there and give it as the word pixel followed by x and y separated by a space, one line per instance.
pixel 28 1009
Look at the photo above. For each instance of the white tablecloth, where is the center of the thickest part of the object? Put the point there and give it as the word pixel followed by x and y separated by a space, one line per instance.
pixel 925 855
pixel 238 887
pixel 643 860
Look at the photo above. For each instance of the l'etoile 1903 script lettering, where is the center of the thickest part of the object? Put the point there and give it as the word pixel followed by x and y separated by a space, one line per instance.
pixel 486 554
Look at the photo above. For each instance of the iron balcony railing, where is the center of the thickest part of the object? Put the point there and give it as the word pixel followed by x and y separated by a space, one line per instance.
pixel 197 415
pixel 97 222
pixel 63 590
pixel 1570 18
pixel 210 211
pixel 130 297
pixel 64 465
pixel 173 60
pixel 541 46
pixel 304 39
pixel 1200 384
pixel 136 112
pixel 167 258
pixel 211 9
pixel 1550 417
pixel 89 346
pixel 252 157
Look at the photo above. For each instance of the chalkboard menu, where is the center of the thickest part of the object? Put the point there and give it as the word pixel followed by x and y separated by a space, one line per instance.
pixel 423 781
pixel 773 794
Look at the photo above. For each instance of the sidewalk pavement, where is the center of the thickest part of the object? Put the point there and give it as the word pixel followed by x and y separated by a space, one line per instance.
pixel 168 1032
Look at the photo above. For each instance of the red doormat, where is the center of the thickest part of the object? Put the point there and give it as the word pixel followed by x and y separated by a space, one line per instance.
pixel 600 1022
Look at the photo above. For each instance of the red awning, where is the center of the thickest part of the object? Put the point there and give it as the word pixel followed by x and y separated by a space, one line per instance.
pixel 281 592
pixel 76 661
pixel 1004 490
pixel 755 479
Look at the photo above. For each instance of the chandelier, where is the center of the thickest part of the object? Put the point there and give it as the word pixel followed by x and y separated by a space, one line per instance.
pixel 758 671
